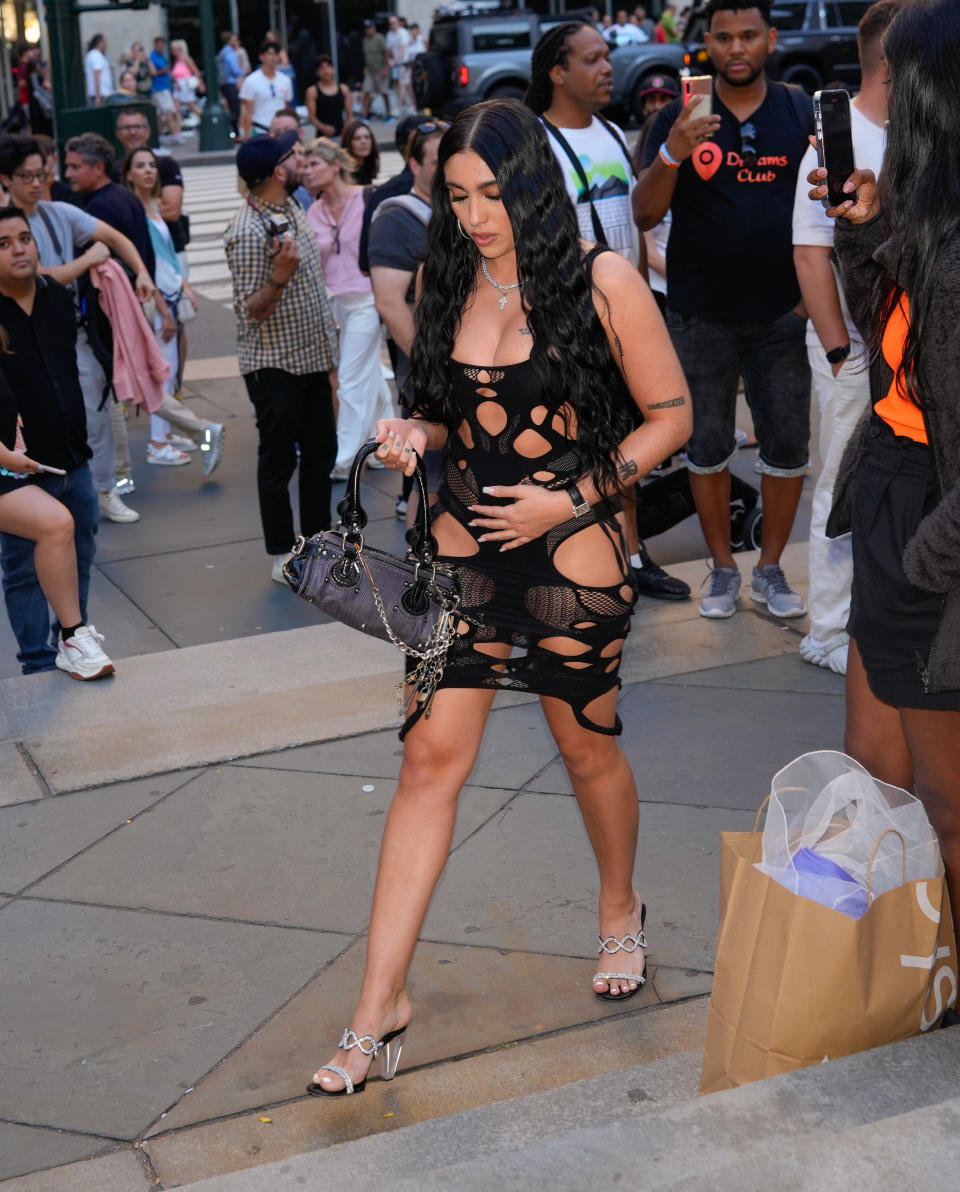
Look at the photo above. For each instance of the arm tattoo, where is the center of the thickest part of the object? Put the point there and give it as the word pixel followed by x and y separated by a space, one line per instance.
pixel 627 469
pixel 261 302
pixel 668 405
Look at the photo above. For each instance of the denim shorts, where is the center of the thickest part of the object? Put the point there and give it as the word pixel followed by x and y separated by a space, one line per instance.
pixel 772 358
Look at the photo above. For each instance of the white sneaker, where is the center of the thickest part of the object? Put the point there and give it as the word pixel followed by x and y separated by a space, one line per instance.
pixel 81 657
pixel 211 447
pixel 113 509
pixel 182 443
pixel 276 571
pixel 831 654
pixel 166 456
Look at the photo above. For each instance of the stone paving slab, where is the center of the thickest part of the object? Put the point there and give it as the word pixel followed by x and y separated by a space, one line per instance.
pixel 313 1124
pixel 290 848
pixel 785 672
pixel 127 1010
pixel 119 1171
pixel 18 783
pixel 465 1000
pixel 38 837
pixel 516 745
pixel 527 880
pixel 30 1149
pixel 691 744
pixel 222 700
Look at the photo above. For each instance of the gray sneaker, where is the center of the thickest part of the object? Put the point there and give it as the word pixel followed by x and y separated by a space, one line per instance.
pixel 770 587
pixel 211 447
pixel 721 597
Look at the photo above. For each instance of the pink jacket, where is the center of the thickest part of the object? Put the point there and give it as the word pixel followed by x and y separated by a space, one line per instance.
pixel 139 369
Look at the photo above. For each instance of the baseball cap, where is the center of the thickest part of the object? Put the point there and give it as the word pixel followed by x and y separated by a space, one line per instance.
pixel 258 157
pixel 661 85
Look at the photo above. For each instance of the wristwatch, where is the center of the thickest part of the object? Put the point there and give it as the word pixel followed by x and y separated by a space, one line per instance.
pixel 580 505
pixel 838 355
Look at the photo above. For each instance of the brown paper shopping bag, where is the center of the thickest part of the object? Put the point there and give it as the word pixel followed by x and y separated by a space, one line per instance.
pixel 797 983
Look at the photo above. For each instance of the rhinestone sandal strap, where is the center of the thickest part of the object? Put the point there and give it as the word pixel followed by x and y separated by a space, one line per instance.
pixel 640 978
pixel 367 1043
pixel 629 943
pixel 342 1073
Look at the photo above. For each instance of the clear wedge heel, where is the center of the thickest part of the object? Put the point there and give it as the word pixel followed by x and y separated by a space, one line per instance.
pixel 389 1047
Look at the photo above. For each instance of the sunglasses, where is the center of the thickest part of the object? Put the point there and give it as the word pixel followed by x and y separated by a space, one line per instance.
pixel 748 146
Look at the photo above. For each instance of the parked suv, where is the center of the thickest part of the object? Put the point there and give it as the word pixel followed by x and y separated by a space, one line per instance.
pixel 484 53
pixel 816 42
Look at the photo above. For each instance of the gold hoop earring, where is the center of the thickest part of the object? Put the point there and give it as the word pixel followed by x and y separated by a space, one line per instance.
pixel 465 235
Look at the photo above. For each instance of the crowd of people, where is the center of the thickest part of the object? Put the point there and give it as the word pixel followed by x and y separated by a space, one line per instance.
pixel 542 379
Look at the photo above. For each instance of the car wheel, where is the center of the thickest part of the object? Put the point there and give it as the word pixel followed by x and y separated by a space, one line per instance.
pixel 508 91
pixel 802 74
pixel 636 101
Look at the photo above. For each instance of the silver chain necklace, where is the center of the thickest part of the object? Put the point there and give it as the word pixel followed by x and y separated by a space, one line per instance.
pixel 504 290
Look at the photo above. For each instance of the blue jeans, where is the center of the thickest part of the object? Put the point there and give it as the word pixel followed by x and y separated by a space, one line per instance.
pixel 772 359
pixel 26 604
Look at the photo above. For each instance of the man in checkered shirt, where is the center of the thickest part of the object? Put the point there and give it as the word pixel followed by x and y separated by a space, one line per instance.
pixel 286 341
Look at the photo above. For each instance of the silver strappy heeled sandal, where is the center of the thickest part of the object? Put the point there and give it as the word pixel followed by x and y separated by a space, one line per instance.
pixel 629 943
pixel 390 1045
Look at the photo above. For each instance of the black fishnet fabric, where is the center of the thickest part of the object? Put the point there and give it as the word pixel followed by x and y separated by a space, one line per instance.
pixel 519 598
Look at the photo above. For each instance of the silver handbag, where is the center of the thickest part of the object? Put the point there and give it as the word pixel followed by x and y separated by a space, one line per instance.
pixel 411 602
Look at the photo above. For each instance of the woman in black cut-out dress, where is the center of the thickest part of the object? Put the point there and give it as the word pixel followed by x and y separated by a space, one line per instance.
pixel 544 368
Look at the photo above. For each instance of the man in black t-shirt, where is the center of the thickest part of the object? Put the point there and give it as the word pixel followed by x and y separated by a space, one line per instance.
pixel 89 168
pixel 396 249
pixel 39 367
pixel 733 302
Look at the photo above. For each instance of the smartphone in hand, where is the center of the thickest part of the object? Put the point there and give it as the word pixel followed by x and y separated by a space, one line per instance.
pixel 831 110
pixel 700 86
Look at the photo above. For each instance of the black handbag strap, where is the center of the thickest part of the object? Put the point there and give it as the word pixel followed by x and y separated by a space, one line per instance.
pixel 581 174
pixel 354 518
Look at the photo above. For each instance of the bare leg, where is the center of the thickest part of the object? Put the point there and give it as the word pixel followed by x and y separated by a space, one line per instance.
pixel 32 513
pixel 438 756
pixel 781 496
pixel 934 741
pixel 873 732
pixel 711 495
pixel 607 796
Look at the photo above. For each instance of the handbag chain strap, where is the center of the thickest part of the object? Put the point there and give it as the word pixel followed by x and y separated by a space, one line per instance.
pixel 426 675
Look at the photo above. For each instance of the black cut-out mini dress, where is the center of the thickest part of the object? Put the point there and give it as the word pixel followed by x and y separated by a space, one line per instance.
pixel 563 601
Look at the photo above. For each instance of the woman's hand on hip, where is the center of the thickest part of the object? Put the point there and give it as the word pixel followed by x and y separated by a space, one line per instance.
pixel 534 511
pixel 401 441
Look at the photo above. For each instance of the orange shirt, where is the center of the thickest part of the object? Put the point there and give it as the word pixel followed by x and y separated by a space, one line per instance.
pixel 896 408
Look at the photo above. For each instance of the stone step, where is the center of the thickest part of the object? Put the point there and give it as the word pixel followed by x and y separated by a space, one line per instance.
pixel 210 703
pixel 890 1116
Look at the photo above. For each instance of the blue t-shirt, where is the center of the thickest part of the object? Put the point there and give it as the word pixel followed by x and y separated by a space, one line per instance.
pixel 230 71
pixel 160 82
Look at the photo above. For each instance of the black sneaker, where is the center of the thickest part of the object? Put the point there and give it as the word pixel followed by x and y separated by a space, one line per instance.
pixel 652 580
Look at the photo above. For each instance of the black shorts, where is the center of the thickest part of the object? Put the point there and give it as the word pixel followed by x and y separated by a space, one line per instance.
pixel 892 622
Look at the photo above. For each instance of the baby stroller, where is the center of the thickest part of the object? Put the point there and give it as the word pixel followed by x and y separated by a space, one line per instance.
pixel 665 501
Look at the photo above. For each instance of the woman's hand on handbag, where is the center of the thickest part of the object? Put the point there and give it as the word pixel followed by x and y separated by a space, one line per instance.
pixel 401 441
pixel 534 511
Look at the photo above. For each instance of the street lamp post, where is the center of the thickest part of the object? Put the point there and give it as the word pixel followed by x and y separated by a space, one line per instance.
pixel 215 120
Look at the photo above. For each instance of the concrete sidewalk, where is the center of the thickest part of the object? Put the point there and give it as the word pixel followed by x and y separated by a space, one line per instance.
pixel 184 938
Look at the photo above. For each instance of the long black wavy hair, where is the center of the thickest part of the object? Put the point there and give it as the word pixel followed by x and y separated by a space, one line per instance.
pixel 570 353
pixel 920 180
pixel 551 50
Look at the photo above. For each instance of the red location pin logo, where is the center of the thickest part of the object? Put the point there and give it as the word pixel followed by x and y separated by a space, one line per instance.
pixel 706 160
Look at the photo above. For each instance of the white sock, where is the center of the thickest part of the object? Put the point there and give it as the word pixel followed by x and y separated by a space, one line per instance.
pixel 636 561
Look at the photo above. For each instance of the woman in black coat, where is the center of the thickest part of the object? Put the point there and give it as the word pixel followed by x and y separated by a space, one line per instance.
pixel 899 249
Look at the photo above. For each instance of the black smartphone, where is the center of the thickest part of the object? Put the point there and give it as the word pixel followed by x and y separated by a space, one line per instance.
pixel 831 110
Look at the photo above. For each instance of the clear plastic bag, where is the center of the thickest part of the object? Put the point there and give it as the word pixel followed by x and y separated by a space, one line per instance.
pixel 828 803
